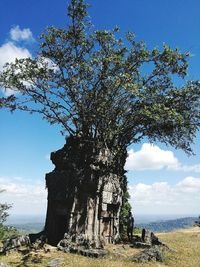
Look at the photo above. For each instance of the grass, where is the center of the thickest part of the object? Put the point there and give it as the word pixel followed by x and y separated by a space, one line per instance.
pixel 186 243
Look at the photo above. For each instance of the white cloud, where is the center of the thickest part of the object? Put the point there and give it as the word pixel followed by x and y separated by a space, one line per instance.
pixel 30 197
pixel 8 53
pixel 47 63
pixel 187 168
pixel 27 197
pixel 150 157
pixel 189 185
pixel 16 34
pixel 162 198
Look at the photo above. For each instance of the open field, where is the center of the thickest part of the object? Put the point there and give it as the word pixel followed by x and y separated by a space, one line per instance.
pixel 185 243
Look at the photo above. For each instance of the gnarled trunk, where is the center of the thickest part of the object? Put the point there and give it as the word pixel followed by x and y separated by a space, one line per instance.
pixel 85 191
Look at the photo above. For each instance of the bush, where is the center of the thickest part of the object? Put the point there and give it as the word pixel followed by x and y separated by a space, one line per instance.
pixel 7 232
pixel 137 231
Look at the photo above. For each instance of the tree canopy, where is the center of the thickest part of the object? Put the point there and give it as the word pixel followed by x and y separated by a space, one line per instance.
pixel 97 85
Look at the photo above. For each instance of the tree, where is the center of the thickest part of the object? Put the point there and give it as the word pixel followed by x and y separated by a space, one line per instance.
pixel 124 212
pixel 96 86
pixel 4 207
pixel 3 212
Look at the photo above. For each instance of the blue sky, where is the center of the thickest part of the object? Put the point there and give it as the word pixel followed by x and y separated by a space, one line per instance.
pixel 161 179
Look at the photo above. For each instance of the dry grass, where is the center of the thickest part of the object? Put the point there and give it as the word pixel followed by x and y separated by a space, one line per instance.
pixel 185 242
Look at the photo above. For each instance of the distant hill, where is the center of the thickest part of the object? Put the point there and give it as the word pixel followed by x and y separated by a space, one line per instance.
pixel 158 226
pixel 168 225
pixel 29 227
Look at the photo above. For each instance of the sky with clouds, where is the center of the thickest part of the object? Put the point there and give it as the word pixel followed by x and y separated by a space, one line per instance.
pixel 161 179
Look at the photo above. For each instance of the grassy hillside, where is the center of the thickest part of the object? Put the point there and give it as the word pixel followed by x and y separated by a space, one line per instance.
pixel 185 242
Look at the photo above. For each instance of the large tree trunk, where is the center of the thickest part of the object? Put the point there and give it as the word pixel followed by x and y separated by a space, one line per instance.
pixel 85 191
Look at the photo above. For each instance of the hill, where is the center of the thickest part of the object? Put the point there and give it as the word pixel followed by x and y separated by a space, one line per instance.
pixel 29 227
pixel 158 226
pixel 169 225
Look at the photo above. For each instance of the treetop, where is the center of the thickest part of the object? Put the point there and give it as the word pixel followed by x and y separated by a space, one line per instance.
pixel 100 86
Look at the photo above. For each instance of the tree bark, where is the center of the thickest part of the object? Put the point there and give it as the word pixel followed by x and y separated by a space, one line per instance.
pixel 85 192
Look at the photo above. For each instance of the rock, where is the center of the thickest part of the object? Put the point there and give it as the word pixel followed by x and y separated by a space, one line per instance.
pixel 37 245
pixel 15 243
pixel 146 236
pixel 24 245
pixel 3 264
pixel 81 245
pixel 94 253
pixel 55 262
pixel 86 202
pixel 154 253
pixel 154 248
pixel 147 240
pixel 38 236
pixel 140 245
